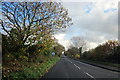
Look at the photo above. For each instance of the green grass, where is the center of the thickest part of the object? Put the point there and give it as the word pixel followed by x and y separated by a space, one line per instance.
pixel 35 71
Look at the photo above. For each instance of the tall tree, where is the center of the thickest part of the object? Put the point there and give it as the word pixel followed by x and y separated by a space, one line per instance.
pixel 28 23
pixel 23 18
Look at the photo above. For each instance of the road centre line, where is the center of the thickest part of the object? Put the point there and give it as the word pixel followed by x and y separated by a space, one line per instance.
pixel 76 66
pixel 69 61
pixel 84 72
pixel 89 75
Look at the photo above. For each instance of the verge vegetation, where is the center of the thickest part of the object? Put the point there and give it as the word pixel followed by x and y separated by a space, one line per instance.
pixel 27 37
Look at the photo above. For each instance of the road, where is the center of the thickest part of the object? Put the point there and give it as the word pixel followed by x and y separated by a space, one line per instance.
pixel 69 68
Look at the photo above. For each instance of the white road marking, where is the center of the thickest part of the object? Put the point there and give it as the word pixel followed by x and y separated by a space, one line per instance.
pixel 76 66
pixel 96 67
pixel 69 61
pixel 84 63
pixel 87 64
pixel 89 75
pixel 79 68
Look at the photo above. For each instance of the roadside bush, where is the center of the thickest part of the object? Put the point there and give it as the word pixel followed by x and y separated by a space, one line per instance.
pixel 77 56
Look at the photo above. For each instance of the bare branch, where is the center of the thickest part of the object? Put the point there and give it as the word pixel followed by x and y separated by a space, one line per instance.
pixel 3 27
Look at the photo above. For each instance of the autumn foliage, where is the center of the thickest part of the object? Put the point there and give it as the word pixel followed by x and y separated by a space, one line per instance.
pixel 107 52
pixel 28 33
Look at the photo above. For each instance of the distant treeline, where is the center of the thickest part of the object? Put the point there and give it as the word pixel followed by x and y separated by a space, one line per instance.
pixel 107 52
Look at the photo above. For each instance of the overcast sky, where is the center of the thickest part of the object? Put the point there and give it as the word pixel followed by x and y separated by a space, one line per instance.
pixel 95 22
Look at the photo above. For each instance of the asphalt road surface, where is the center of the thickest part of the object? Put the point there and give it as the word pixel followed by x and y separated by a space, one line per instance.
pixel 69 68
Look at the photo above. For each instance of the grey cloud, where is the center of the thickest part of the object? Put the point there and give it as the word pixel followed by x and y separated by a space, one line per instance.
pixel 95 27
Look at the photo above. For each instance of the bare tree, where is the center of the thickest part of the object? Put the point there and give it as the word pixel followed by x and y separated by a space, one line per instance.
pixel 78 42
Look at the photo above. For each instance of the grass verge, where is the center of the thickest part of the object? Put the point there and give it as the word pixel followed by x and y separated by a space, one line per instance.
pixel 35 71
pixel 115 65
